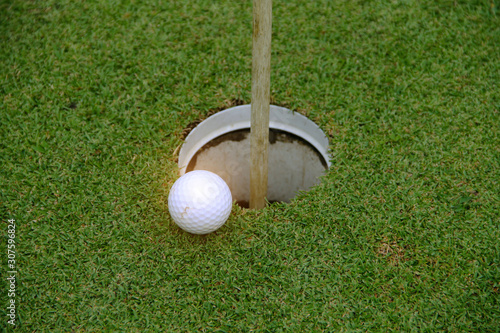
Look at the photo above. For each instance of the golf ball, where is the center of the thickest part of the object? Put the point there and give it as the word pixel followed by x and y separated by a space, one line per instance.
pixel 200 202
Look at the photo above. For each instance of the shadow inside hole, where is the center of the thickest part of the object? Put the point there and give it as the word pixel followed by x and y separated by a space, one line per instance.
pixel 294 164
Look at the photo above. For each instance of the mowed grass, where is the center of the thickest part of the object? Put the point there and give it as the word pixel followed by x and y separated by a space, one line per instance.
pixel 402 234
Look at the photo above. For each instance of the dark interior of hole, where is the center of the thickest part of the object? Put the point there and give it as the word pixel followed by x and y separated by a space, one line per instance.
pixel 240 135
pixel 246 204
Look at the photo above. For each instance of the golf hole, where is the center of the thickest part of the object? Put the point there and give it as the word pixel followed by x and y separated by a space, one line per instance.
pixel 298 152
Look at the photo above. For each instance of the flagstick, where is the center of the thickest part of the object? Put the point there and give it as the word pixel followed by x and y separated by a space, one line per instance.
pixel 261 77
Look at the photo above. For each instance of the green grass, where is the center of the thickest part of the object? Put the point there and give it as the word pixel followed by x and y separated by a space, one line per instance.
pixel 402 234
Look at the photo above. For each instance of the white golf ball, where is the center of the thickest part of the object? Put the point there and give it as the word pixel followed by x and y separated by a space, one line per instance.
pixel 200 202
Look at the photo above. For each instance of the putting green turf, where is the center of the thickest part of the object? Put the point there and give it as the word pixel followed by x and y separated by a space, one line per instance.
pixel 402 233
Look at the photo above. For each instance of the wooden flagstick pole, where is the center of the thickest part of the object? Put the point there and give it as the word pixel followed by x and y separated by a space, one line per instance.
pixel 261 82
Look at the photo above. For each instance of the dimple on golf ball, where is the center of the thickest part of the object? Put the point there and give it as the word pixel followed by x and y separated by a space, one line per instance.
pixel 200 202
